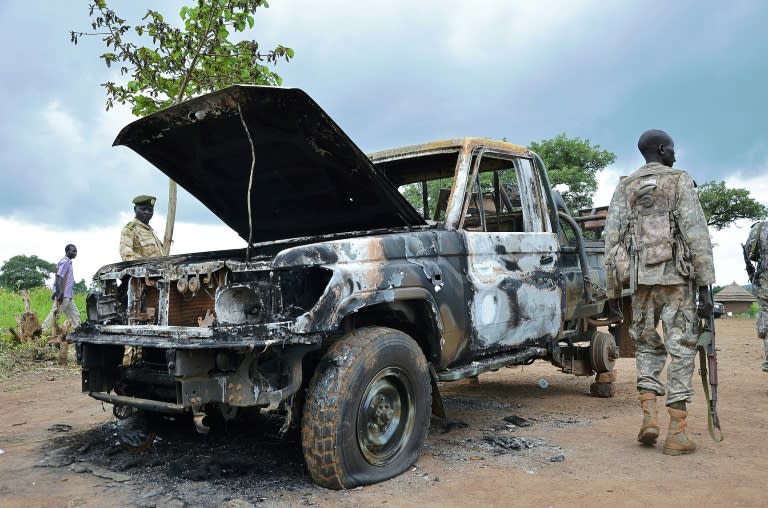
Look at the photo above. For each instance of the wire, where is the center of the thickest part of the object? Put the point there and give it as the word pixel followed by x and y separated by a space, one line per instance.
pixel 250 184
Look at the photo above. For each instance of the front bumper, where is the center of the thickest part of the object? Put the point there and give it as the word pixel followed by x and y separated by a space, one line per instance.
pixel 187 337
pixel 186 369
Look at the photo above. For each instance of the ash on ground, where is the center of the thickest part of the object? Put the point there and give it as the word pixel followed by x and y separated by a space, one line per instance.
pixel 246 463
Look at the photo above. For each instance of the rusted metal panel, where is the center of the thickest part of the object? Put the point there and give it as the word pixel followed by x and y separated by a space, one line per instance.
pixel 515 285
pixel 437 159
pixel 576 307
pixel 184 309
pixel 251 336
pixel 455 208
pixel 373 270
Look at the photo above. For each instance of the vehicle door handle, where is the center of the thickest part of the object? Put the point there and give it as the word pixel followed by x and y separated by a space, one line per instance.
pixel 545 260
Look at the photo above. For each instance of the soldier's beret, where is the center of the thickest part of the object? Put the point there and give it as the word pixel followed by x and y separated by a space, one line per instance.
pixel 144 200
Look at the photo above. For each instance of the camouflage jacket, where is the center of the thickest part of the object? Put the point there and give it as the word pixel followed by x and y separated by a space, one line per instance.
pixel 688 220
pixel 139 241
pixel 757 243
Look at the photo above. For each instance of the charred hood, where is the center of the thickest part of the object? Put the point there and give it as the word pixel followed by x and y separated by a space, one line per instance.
pixel 308 177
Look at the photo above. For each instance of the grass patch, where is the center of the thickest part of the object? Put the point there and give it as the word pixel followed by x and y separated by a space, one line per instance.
pixel 14 356
pixel 40 302
pixel 753 310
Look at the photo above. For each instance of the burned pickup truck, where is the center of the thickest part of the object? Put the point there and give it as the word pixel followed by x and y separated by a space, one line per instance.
pixel 364 281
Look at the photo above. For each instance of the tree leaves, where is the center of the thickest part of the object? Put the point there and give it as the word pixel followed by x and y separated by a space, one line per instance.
pixel 722 205
pixel 166 65
pixel 574 162
pixel 25 272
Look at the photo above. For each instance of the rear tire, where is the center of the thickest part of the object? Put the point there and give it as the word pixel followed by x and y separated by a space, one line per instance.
pixel 367 410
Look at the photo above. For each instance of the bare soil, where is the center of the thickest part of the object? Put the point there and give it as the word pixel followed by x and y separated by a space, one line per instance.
pixel 58 448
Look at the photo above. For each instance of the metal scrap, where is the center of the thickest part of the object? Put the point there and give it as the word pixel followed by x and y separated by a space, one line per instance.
pixel 515 443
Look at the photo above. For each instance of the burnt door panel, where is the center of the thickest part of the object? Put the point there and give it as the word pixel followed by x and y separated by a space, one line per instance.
pixel 515 295
pixel 512 256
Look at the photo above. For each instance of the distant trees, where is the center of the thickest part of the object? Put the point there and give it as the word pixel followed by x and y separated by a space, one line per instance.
pixel 723 206
pixel 575 163
pixel 28 272
pixel 80 287
pixel 25 272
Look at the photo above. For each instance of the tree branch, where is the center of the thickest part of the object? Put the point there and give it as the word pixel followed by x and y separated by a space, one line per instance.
pixel 198 51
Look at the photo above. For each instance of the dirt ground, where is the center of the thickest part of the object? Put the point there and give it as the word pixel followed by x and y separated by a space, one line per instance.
pixel 58 448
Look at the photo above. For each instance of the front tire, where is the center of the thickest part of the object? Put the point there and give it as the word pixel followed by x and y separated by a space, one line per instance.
pixel 367 410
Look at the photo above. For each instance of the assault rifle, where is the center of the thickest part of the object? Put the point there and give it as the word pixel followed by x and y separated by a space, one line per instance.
pixel 708 358
pixel 748 262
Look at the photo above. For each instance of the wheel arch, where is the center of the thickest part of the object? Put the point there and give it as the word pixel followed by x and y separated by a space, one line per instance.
pixel 413 311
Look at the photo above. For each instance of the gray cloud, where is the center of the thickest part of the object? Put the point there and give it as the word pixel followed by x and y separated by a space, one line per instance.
pixel 395 73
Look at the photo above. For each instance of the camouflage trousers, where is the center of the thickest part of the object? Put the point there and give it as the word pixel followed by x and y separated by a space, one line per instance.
pixel 675 307
pixel 762 321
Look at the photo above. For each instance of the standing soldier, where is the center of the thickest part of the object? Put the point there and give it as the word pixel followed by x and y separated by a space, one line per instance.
pixel 656 216
pixel 756 250
pixel 137 239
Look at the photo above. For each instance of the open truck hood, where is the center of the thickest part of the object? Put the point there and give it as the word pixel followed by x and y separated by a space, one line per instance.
pixel 309 178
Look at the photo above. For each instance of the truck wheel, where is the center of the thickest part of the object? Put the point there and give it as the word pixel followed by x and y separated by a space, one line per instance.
pixel 367 409
pixel 603 352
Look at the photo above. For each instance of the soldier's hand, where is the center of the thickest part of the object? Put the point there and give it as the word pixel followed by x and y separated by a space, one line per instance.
pixel 705 306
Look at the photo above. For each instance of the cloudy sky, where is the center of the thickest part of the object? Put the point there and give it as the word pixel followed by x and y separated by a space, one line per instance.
pixel 393 73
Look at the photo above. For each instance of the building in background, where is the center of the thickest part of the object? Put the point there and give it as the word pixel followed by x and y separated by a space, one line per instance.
pixel 735 298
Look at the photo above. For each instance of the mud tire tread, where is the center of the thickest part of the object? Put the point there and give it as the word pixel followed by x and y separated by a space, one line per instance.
pixel 322 416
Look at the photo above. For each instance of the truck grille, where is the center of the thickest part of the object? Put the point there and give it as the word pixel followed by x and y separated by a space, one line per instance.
pixel 185 309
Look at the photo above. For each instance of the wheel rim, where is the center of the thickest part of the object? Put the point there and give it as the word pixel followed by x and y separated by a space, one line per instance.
pixel 386 416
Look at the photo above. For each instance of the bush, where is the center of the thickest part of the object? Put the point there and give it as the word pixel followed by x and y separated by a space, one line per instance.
pixel 753 310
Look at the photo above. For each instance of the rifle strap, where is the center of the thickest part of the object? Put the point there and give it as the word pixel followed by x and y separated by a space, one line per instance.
pixel 717 437
pixel 753 247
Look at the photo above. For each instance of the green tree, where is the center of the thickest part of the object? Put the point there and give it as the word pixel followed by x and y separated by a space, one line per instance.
pixel 575 163
pixel 25 272
pixel 722 205
pixel 165 65
pixel 80 287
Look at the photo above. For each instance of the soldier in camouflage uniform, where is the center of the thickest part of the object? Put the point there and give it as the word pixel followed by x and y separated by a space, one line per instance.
pixel 137 239
pixel 656 214
pixel 757 243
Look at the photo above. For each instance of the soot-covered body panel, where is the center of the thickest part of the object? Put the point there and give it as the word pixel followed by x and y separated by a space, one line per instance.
pixel 430 262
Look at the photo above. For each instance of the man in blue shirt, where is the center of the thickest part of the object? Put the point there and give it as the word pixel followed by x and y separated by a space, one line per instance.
pixel 63 291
